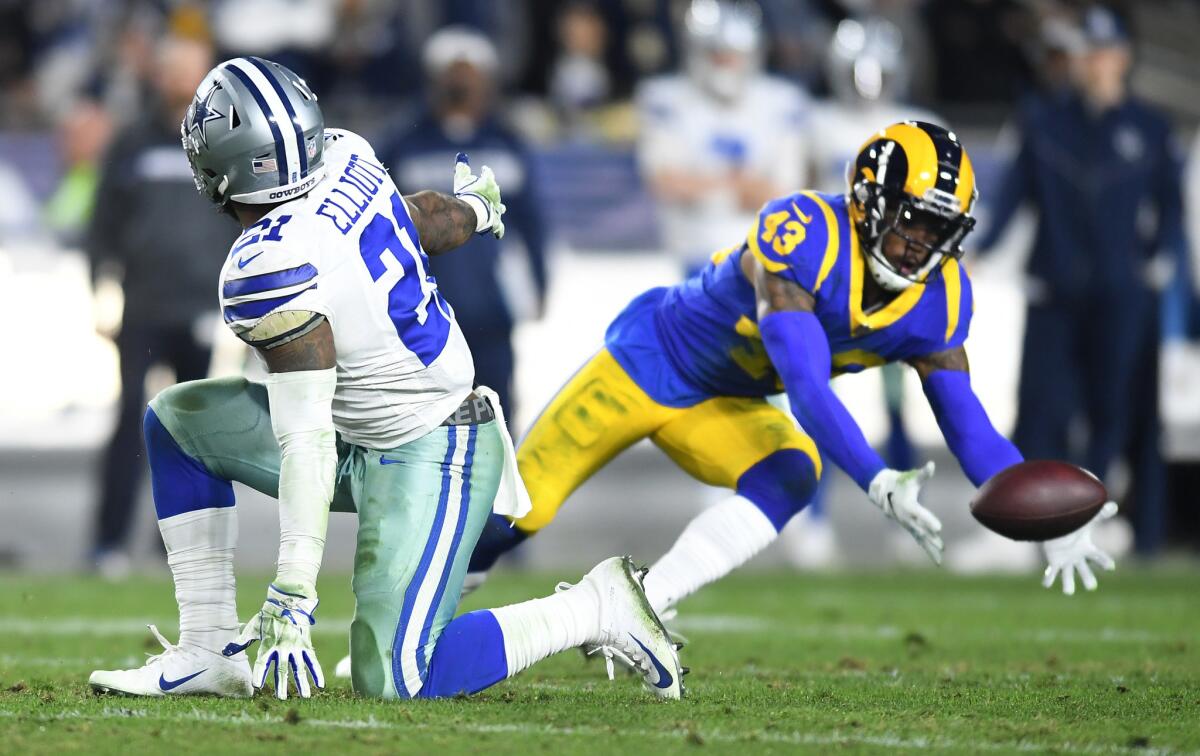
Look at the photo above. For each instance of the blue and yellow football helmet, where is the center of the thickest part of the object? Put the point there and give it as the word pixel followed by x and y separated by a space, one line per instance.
pixel 911 173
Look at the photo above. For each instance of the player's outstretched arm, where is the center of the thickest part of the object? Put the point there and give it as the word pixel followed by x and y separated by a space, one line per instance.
pixel 300 385
pixel 799 350
pixel 980 448
pixel 983 451
pixel 444 222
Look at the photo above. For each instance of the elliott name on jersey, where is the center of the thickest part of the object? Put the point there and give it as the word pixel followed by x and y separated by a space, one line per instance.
pixel 348 251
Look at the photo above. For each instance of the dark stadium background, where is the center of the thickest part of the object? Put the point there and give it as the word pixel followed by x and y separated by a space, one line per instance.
pixel 971 61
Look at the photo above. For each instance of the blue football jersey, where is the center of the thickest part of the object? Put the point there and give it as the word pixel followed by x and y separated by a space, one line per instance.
pixel 686 343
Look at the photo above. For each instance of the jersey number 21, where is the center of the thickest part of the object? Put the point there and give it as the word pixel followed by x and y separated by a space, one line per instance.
pixel 418 311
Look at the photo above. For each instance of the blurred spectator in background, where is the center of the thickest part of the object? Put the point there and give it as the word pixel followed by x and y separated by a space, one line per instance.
pixel 169 248
pixel 460 67
pixel 579 81
pixel 1060 40
pixel 797 34
pixel 721 138
pixel 83 136
pixel 635 38
pixel 978 49
pixel 293 33
pixel 1100 168
pixel 868 76
pixel 867 71
pixel 1192 213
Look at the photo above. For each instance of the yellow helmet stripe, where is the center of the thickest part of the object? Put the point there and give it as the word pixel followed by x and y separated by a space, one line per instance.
pixel 920 154
pixel 965 190
pixel 960 182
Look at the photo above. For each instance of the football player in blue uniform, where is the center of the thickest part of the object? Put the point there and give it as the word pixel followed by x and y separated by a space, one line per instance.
pixel 823 284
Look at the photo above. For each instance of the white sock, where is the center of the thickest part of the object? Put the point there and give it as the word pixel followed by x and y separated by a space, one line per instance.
pixel 200 548
pixel 717 541
pixel 539 628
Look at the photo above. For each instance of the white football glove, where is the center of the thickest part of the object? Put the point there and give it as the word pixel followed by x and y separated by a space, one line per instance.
pixel 1070 554
pixel 282 626
pixel 896 492
pixel 482 193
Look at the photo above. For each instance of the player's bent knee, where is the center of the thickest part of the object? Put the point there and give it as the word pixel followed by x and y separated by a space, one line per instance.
pixel 181 483
pixel 547 486
pixel 369 669
pixel 199 397
pixel 545 497
pixel 780 485
pixel 181 397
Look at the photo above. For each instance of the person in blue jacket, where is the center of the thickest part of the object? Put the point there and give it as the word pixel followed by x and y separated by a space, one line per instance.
pixel 460 65
pixel 1101 168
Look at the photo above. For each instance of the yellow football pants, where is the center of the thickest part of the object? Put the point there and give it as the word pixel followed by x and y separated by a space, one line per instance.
pixel 601 412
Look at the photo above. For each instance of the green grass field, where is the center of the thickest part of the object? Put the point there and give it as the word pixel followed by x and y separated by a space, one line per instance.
pixel 780 663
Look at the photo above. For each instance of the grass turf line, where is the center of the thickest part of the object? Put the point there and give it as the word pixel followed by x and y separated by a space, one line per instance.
pixel 782 662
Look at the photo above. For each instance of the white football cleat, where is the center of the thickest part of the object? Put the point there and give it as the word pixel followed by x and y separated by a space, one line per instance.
pixel 179 671
pixel 629 629
pixel 342 670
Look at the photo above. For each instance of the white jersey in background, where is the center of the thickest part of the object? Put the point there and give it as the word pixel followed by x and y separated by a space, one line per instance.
pixel 348 250
pixel 836 131
pixel 684 128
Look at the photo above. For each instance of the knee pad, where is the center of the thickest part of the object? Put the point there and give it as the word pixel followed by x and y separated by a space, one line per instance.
pixel 180 482
pixel 468 657
pixel 780 485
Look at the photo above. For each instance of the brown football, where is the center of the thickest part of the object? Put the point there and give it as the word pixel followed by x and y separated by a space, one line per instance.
pixel 1038 500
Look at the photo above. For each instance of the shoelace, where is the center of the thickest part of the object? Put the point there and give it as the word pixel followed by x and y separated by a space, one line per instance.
pixel 609 652
pixel 167 647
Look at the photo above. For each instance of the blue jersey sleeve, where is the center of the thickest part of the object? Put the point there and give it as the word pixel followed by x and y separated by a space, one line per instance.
pixel 796 238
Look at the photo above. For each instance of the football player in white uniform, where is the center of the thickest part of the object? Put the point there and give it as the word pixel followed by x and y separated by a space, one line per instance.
pixel 720 139
pixel 367 407
pixel 868 77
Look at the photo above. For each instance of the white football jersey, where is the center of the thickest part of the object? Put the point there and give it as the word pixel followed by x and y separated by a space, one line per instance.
pixel 348 250
pixel 837 131
pixel 683 128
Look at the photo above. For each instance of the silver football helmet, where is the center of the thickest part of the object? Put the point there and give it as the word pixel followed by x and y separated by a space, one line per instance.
pixel 254 134
pixel 724 45
pixel 865 61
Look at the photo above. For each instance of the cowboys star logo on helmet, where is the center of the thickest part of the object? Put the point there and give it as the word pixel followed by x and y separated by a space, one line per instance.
pixel 203 111
pixel 268 145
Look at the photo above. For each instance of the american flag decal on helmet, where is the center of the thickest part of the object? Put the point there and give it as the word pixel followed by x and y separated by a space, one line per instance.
pixel 264 164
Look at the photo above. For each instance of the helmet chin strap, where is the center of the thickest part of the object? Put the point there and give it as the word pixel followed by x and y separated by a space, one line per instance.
pixel 890 280
pixel 885 276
